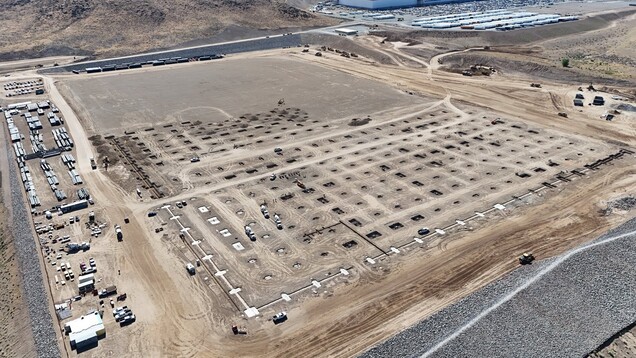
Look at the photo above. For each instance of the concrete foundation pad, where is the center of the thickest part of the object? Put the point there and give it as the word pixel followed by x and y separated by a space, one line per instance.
pixel 251 312
pixel 233 291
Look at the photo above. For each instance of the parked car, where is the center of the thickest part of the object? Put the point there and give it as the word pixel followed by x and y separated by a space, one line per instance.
pixel 279 317
pixel 122 314
pixel 128 319
pixel 119 309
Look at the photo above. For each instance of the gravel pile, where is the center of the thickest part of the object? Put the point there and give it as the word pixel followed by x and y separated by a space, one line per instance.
pixel 236 47
pixel 626 203
pixel 565 312
pixel 27 254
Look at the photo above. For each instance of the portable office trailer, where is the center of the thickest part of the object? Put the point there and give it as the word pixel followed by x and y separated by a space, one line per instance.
pixel 77 205
pixel 86 278
pixel 87 286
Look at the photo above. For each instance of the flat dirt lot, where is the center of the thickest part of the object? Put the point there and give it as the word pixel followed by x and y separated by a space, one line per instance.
pixel 368 155
pixel 222 90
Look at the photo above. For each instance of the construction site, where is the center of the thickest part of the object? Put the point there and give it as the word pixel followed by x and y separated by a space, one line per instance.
pixel 312 201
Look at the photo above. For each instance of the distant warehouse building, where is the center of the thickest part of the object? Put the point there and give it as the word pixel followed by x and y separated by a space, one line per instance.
pixel 392 4
pixel 346 31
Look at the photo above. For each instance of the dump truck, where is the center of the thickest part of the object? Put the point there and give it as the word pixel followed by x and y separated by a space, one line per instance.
pixel 105 292
pixel 526 258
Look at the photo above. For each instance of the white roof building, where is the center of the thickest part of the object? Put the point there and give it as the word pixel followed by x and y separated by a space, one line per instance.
pixel 85 331
pixel 346 31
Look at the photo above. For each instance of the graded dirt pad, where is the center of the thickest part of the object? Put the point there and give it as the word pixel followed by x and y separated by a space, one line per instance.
pixel 225 89
pixel 229 104
pixel 352 178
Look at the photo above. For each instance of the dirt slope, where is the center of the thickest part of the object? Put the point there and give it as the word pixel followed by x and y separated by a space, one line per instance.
pixel 621 345
pixel 111 27
pixel 17 341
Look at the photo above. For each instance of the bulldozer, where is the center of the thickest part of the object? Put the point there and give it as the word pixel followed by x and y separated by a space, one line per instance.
pixel 526 258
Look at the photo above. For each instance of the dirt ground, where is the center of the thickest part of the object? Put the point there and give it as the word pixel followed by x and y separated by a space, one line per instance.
pixel 603 55
pixel 624 345
pixel 369 153
pixel 14 313
pixel 102 28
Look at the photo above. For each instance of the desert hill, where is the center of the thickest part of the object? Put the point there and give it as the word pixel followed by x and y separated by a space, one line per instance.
pixel 36 28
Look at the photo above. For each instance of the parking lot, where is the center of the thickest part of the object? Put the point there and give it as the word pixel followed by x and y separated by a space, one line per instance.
pixel 23 88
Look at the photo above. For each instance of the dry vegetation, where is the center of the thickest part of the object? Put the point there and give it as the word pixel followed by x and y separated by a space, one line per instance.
pixel 102 28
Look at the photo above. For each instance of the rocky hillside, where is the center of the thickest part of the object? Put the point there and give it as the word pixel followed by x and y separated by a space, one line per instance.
pixel 35 28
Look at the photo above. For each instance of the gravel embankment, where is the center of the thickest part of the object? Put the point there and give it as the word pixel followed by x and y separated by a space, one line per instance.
pixel 27 253
pixel 235 47
pixel 566 311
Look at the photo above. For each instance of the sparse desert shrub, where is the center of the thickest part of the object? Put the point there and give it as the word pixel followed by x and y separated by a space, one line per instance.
pixel 565 62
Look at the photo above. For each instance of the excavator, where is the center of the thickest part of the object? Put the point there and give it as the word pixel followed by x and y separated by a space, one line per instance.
pixel 300 184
